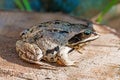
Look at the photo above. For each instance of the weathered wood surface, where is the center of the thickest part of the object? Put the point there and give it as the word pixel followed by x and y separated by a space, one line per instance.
pixel 100 59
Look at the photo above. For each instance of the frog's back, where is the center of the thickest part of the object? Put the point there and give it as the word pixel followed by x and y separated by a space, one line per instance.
pixel 57 31
pixel 59 25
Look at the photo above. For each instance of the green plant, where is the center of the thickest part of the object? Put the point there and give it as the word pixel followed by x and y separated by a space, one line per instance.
pixel 27 5
pixel 106 9
pixel 19 4
pixel 23 5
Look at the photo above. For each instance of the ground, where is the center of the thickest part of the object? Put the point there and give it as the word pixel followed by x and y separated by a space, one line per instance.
pixel 100 59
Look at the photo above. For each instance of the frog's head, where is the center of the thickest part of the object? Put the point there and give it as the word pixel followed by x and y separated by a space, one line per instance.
pixel 86 34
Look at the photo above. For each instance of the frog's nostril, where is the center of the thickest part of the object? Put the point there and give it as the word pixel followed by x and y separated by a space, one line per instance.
pixel 95 33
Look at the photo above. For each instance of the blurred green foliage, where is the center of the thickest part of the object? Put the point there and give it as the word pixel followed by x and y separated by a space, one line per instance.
pixel 106 9
pixel 23 6
pixel 19 5
pixel 84 8
pixel 27 5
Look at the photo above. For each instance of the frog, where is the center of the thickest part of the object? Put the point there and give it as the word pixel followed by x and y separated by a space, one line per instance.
pixel 52 41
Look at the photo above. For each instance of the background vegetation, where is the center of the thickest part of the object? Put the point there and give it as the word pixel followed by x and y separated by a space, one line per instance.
pixel 80 8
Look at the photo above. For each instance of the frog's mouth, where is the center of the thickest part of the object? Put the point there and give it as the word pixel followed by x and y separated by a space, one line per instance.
pixel 83 38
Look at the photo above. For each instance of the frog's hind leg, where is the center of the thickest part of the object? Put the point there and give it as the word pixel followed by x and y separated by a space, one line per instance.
pixel 63 58
pixel 29 52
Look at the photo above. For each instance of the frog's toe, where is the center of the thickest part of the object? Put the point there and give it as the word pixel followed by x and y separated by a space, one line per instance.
pixel 72 63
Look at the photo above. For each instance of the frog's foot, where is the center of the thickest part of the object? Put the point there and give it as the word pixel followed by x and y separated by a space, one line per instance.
pixel 29 52
pixel 63 58
pixel 79 51
pixel 72 63
pixel 80 47
pixel 66 63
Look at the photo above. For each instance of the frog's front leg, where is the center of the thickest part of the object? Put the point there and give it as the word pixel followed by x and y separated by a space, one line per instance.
pixel 63 58
pixel 29 52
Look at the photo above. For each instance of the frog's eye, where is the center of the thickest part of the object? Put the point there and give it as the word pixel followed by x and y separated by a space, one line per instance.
pixel 87 32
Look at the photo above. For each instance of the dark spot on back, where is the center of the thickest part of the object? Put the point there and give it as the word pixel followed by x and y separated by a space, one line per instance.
pixel 68 24
pixel 35 38
pixel 52 30
pixel 63 32
pixel 72 24
pixel 57 22
pixel 23 34
pixel 40 26
pixel 55 30
pixel 41 36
